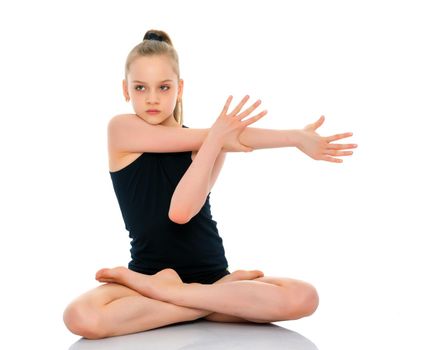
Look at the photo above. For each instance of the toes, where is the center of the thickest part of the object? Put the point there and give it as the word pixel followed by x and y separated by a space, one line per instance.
pixel 100 273
pixel 247 274
pixel 259 273
pixel 256 273
pixel 106 274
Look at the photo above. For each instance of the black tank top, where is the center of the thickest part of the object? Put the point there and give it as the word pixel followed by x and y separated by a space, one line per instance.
pixel 144 189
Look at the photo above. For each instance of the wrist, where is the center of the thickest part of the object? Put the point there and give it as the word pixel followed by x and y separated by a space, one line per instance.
pixel 214 140
pixel 295 137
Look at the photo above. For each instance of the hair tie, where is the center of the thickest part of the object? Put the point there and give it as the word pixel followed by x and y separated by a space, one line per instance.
pixel 153 36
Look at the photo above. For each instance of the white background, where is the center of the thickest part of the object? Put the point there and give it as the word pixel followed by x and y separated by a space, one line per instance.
pixel 362 231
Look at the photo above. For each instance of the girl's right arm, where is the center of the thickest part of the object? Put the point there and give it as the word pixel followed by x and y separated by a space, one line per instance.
pixel 130 133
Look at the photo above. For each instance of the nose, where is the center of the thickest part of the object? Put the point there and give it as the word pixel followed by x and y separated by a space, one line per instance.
pixel 152 97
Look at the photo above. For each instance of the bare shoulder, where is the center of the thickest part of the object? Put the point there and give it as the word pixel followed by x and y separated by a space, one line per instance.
pixel 120 119
pixel 117 159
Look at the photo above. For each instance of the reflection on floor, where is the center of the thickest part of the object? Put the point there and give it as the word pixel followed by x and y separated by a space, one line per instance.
pixel 205 335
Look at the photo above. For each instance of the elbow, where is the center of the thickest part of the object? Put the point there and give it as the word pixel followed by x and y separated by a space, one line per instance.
pixel 178 216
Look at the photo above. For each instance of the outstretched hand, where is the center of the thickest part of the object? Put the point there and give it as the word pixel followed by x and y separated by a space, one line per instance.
pixel 228 127
pixel 321 148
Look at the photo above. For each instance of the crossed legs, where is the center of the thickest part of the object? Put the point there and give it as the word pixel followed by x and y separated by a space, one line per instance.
pixel 132 302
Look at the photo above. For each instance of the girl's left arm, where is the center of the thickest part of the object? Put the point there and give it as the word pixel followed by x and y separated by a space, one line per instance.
pixel 191 192
pixel 306 140
pixel 217 167
pixel 220 160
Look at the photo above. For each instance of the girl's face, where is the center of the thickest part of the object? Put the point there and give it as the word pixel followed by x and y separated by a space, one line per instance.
pixel 153 85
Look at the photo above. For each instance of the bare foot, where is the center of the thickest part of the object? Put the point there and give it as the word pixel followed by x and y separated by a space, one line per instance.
pixel 113 275
pixel 240 275
pixel 157 286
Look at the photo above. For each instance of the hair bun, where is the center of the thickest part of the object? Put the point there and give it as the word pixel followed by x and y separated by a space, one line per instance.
pixel 153 36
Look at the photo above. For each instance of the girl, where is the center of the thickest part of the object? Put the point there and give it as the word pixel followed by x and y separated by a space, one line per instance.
pixel 162 173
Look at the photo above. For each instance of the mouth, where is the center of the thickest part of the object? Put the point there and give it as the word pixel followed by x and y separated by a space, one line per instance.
pixel 152 111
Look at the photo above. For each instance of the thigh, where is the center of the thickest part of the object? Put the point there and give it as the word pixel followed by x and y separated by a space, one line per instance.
pixel 219 317
pixel 303 296
pixel 293 286
pixel 104 294
pixel 113 309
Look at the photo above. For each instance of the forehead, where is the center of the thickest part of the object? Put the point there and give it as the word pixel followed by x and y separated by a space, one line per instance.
pixel 151 69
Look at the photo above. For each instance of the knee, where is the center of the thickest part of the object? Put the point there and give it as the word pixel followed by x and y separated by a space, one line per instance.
pixel 304 302
pixel 82 321
pixel 311 301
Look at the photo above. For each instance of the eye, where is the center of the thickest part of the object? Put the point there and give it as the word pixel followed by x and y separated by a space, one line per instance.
pixel 141 86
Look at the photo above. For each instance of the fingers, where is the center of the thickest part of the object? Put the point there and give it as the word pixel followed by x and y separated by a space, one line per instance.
pixel 249 110
pixel 330 154
pixel 338 136
pixel 246 112
pixel 240 105
pixel 247 149
pixel 338 153
pixel 315 125
pixel 227 104
pixel 331 159
pixel 319 122
pixel 334 149
pixel 254 119
pixel 341 146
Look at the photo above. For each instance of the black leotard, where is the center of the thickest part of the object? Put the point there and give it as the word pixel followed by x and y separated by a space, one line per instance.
pixel 144 189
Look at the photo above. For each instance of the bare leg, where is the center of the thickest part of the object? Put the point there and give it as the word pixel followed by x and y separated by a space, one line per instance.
pixel 249 299
pixel 114 309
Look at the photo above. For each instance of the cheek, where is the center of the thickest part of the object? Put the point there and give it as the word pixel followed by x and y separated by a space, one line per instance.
pixel 171 98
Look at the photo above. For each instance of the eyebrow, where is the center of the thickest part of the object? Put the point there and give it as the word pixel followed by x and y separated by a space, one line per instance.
pixel 138 81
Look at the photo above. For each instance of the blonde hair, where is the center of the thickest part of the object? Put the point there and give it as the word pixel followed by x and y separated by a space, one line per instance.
pixel 159 45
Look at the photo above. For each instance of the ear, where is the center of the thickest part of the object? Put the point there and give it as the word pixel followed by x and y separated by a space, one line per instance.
pixel 180 88
pixel 125 90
